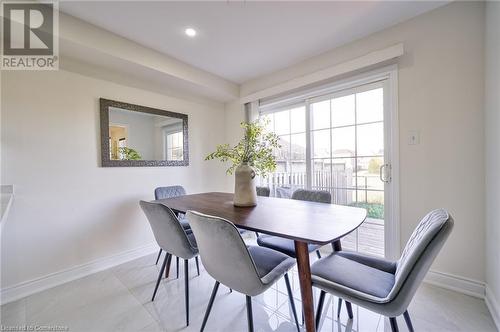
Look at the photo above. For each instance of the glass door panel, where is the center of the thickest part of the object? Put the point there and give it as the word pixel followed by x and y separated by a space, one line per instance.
pixel 350 171
pixel 291 171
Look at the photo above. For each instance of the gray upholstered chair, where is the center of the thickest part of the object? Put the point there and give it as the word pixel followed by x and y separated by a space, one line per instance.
pixel 383 286
pixel 249 270
pixel 287 246
pixel 172 238
pixel 169 192
pixel 263 191
pixel 321 196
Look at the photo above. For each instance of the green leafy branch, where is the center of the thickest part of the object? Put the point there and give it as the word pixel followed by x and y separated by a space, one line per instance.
pixel 129 154
pixel 255 148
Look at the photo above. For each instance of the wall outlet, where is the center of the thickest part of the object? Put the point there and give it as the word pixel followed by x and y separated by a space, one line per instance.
pixel 413 137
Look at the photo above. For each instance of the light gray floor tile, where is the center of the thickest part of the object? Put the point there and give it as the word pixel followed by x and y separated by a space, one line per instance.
pixel 98 302
pixel 120 299
pixel 435 308
pixel 14 313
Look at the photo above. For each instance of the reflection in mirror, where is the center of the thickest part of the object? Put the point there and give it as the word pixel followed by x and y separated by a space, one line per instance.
pixel 141 136
pixel 144 136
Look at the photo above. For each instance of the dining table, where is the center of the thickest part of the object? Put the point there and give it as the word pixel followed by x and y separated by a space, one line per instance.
pixel 303 222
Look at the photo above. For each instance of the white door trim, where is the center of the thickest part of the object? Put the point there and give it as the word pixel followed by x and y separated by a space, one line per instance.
pixel 388 74
pixel 392 218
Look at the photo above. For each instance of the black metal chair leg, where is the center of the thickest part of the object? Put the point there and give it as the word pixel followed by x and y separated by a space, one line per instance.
pixel 177 266
pixel 209 307
pixel 167 267
pixel 256 234
pixel 320 308
pixel 349 309
pixel 249 314
pixel 159 255
pixel 318 254
pixel 197 265
pixel 186 286
pixel 406 315
pixel 159 275
pixel 337 246
pixel 292 302
pixel 394 324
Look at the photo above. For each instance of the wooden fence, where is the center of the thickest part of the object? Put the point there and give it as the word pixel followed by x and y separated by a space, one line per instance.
pixel 283 184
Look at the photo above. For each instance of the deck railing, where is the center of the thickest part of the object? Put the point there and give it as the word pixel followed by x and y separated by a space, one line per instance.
pixel 341 184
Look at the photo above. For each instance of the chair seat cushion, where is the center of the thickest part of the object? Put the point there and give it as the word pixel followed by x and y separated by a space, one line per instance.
pixel 378 263
pixel 339 274
pixel 270 264
pixel 280 244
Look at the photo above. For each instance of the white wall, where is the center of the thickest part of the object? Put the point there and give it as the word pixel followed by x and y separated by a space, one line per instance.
pixel 492 152
pixel 68 210
pixel 441 95
pixel 234 115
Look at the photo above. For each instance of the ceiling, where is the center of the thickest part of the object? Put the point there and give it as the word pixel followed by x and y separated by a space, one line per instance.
pixel 240 41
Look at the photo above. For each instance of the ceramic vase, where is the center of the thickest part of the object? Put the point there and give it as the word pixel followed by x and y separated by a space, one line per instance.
pixel 245 193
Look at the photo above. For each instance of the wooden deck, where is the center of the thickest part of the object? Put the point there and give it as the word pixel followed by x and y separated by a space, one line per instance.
pixel 369 236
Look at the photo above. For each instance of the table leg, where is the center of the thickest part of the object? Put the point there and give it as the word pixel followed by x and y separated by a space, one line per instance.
pixel 302 254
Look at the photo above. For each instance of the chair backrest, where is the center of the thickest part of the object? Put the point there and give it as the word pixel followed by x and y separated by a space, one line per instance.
pixel 169 192
pixel 420 251
pixel 224 253
pixel 167 230
pixel 263 191
pixel 320 196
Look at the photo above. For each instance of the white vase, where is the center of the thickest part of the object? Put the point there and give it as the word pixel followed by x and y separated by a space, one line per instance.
pixel 245 193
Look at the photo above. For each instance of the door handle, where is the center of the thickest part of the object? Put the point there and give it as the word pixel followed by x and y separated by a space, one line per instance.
pixel 385 173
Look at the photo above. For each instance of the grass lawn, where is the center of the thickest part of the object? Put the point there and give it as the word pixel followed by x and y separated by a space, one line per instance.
pixel 374 210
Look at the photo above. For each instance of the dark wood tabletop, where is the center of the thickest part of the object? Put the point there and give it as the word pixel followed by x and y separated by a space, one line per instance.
pixel 310 222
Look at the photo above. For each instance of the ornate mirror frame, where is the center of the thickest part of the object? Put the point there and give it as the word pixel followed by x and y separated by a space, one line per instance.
pixel 105 104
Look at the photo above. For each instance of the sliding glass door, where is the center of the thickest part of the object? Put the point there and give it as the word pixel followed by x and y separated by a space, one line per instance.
pixel 348 155
pixel 291 173
pixel 337 142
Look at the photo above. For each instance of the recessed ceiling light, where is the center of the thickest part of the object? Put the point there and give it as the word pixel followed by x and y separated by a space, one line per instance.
pixel 190 32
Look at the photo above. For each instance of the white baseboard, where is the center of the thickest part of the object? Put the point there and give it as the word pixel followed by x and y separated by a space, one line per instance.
pixel 16 292
pixel 493 306
pixel 455 283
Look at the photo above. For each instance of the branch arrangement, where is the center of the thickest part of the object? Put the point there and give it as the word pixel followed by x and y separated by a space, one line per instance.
pixel 255 148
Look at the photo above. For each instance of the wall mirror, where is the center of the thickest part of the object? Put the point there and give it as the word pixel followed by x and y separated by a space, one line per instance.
pixel 137 136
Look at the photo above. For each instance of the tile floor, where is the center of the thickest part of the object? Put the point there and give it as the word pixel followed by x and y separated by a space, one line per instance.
pixel 119 299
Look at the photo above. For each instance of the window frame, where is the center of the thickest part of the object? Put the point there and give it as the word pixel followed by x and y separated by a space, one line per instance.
pixel 167 148
pixel 388 76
